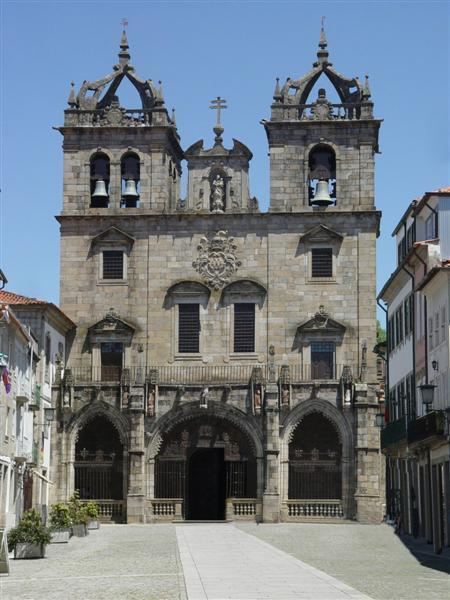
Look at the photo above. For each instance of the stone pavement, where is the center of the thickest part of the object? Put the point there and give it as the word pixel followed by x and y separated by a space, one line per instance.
pixel 117 562
pixel 159 562
pixel 222 562
pixel 370 558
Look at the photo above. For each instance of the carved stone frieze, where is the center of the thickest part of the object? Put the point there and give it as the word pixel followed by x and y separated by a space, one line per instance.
pixel 217 259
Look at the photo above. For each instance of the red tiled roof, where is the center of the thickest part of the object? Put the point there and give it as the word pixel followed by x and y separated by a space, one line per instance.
pixel 19 300
pixel 11 298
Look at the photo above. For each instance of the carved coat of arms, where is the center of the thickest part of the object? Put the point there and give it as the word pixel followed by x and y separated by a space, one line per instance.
pixel 216 260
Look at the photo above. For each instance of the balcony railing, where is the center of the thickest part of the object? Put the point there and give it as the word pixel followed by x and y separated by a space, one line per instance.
pixel 207 374
pixel 393 432
pixel 432 424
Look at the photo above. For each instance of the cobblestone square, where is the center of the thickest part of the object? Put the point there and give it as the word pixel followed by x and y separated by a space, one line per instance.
pixel 218 561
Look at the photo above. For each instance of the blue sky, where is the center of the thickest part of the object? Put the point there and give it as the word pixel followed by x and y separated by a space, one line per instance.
pixel 201 50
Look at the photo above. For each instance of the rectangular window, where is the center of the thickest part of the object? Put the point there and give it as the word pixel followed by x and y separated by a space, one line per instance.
pixel 322 360
pixel 113 264
pixel 244 327
pixel 321 262
pixel 111 360
pixel 406 313
pixel 189 328
pixel 443 323
pixel 436 329
pixel 430 229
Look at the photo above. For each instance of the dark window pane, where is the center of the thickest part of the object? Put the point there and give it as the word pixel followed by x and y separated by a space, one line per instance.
pixel 188 328
pixel 322 262
pixel 244 327
pixel 113 264
pixel 322 360
pixel 111 360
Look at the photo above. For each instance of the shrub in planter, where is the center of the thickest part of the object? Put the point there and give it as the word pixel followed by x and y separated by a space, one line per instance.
pixel 29 538
pixel 60 523
pixel 91 509
pixel 78 515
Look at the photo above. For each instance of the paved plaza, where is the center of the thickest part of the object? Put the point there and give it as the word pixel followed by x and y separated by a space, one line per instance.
pixel 229 561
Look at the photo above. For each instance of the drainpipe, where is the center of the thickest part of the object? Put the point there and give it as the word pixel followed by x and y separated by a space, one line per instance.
pixel 425 313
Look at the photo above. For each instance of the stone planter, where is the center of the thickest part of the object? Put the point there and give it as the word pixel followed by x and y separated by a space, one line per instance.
pixel 79 530
pixel 60 536
pixel 25 550
pixel 94 524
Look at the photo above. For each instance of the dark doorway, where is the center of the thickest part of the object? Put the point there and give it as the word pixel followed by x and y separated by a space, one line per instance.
pixel 206 485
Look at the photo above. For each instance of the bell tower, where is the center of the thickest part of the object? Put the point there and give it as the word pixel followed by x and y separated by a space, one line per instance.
pixel 115 157
pixel 322 153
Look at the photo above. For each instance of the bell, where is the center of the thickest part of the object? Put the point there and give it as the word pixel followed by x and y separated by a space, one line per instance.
pixel 100 189
pixel 322 196
pixel 130 192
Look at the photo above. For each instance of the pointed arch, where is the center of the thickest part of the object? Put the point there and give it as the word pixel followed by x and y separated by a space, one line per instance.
pixel 187 412
pixel 99 409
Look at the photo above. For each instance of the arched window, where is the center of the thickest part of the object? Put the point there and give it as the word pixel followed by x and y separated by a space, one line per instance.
pixel 322 176
pixel 130 172
pixel 99 181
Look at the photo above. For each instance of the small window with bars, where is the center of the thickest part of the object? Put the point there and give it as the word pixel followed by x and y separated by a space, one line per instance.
pixel 322 360
pixel 112 264
pixel 321 262
pixel 188 328
pixel 244 327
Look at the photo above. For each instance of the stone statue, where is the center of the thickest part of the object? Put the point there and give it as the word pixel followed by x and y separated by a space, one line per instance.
pixel 217 194
pixel 151 402
pixel 257 398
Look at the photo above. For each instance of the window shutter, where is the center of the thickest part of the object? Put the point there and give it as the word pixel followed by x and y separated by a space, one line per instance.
pixel 244 327
pixel 321 262
pixel 113 264
pixel 188 328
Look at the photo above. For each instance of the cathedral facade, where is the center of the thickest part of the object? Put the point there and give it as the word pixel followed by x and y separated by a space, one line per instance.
pixel 222 364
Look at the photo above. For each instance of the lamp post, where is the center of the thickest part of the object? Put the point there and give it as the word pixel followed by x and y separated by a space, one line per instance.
pixel 427 391
pixel 379 420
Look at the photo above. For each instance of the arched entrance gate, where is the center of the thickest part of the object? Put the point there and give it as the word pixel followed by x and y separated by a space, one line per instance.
pixel 204 462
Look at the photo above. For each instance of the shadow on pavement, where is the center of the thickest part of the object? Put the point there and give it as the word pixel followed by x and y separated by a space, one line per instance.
pixel 424 553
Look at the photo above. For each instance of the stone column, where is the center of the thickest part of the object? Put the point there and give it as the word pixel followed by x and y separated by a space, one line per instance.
pixel 369 494
pixel 271 495
pixel 136 490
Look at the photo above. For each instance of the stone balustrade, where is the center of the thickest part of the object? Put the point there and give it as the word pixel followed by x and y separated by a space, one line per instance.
pixel 306 509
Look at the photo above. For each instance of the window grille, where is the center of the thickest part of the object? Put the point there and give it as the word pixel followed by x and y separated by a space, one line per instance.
pixel 321 262
pixel 188 328
pixel 113 264
pixel 111 354
pixel 244 327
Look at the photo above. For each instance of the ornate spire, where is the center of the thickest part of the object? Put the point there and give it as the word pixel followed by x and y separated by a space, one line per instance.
pixel 124 54
pixel 277 96
pixel 366 93
pixel 218 104
pixel 322 53
pixel 72 100
pixel 173 119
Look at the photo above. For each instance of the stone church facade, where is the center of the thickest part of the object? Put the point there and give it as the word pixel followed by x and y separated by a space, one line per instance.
pixel 222 364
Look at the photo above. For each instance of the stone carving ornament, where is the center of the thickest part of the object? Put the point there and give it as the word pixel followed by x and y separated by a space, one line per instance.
pixel 217 259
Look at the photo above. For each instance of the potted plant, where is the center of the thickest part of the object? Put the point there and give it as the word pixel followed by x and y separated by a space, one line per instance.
pixel 92 510
pixel 60 523
pixel 78 516
pixel 30 537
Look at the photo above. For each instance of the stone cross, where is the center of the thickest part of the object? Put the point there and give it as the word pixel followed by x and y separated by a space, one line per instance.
pixel 218 104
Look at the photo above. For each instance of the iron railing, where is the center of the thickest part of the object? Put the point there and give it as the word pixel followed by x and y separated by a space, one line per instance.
pixel 206 374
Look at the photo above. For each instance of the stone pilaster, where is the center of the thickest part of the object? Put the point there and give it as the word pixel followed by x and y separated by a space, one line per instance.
pixel 136 489
pixel 370 491
pixel 271 495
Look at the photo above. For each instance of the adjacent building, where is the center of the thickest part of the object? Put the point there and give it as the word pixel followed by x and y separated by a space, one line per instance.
pixel 221 363
pixel 416 437
pixel 47 328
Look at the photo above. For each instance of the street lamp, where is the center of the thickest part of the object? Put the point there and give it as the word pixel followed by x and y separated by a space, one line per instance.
pixel 427 390
pixel 49 415
pixel 379 419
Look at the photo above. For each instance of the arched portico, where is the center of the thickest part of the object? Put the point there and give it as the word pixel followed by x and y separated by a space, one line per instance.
pixel 205 458
pixel 97 454
pixel 336 437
